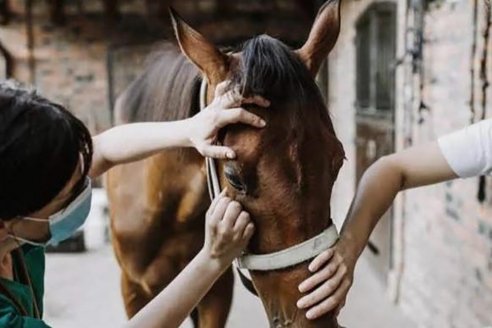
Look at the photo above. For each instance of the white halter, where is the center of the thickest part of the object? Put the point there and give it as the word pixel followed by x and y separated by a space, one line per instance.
pixel 278 260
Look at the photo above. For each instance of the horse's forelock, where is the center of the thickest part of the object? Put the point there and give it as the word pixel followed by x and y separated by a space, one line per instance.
pixel 270 68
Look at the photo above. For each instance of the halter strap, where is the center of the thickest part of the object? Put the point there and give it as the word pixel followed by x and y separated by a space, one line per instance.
pixel 291 256
pixel 278 260
pixel 213 182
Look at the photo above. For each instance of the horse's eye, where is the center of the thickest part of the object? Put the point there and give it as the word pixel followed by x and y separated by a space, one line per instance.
pixel 234 180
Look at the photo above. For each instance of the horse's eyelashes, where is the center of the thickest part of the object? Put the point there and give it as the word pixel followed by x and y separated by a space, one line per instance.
pixel 234 180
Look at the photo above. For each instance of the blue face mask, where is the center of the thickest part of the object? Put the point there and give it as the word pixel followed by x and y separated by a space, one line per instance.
pixel 66 222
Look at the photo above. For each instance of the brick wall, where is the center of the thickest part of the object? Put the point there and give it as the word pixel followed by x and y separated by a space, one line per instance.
pixel 69 63
pixel 443 235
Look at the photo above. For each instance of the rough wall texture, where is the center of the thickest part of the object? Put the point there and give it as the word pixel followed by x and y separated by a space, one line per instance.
pixel 67 64
pixel 442 233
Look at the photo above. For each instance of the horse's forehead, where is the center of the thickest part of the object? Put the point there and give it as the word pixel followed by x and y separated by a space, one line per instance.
pixel 245 142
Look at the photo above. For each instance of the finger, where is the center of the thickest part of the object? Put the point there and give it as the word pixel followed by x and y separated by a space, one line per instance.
pixel 323 291
pixel 231 215
pixel 220 209
pixel 240 115
pixel 221 88
pixel 241 223
pixel 256 100
pixel 230 99
pixel 323 275
pixel 321 259
pixel 220 152
pixel 249 231
pixel 330 303
pixel 213 205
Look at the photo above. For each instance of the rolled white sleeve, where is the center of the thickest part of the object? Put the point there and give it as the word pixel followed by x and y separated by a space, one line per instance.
pixel 469 151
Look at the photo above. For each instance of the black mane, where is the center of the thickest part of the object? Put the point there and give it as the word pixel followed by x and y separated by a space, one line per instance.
pixel 166 90
pixel 271 69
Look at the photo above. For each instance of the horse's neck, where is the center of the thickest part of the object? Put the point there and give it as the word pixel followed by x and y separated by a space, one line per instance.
pixel 178 183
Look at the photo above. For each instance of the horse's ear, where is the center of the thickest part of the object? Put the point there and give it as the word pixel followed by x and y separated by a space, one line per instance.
pixel 323 36
pixel 203 53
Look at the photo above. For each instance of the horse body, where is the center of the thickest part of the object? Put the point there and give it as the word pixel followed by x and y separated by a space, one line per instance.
pixel 157 205
pixel 283 174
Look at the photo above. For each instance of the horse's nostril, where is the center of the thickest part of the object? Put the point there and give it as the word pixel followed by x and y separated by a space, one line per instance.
pixel 277 322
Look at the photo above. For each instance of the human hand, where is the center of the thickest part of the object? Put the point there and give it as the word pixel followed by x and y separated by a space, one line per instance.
pixel 333 274
pixel 228 230
pixel 224 110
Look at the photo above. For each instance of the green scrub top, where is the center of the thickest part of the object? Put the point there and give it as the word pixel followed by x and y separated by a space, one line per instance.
pixel 10 314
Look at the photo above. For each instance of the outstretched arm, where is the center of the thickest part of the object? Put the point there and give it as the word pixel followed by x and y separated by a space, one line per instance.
pixel 464 153
pixel 377 189
pixel 132 142
pixel 228 230
pixel 415 167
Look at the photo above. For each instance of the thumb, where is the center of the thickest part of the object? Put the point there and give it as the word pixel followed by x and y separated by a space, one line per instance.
pixel 219 152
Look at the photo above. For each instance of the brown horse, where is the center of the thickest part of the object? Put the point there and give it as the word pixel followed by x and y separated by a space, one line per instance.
pixel 283 174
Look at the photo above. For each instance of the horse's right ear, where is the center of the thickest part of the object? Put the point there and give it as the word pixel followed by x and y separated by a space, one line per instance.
pixel 203 53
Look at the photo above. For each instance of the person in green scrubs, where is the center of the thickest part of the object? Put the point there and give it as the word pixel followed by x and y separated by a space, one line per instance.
pixel 47 160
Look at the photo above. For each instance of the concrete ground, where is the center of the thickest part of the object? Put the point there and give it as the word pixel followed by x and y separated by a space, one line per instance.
pixel 82 290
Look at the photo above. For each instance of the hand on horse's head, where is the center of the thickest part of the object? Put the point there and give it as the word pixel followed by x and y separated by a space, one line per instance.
pixel 225 109
pixel 228 230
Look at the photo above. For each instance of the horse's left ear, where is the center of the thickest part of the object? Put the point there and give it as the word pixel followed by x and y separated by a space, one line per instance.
pixel 203 53
pixel 323 36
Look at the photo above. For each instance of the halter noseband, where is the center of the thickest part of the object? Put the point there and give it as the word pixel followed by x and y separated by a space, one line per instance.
pixel 277 260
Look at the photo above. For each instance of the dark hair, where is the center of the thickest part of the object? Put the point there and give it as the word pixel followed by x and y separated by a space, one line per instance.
pixel 41 144
pixel 271 69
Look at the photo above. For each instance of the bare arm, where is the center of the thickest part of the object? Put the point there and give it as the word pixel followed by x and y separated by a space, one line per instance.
pixel 464 153
pixel 414 167
pixel 132 142
pixel 172 306
pixel 228 231
pixel 467 153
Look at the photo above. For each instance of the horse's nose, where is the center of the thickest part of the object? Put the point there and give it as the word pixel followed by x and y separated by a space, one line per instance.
pixel 279 322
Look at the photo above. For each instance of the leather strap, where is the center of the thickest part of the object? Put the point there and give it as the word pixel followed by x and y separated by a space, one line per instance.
pixel 247 283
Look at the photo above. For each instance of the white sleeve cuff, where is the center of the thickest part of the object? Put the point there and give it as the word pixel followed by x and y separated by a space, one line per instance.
pixel 469 151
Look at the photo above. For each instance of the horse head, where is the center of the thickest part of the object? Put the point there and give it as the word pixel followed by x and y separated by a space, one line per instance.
pixel 284 173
